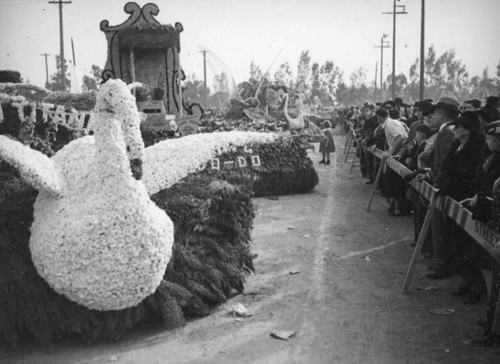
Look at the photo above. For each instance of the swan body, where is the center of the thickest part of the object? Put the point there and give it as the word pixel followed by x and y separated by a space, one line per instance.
pixel 97 238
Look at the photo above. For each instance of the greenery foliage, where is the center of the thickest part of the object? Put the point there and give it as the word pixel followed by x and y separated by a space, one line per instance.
pixel 284 169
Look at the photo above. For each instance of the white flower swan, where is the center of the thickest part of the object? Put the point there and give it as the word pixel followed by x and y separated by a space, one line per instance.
pixel 97 238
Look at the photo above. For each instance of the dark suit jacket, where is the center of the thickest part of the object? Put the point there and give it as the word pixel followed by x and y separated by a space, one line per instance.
pixel 441 149
pixel 458 176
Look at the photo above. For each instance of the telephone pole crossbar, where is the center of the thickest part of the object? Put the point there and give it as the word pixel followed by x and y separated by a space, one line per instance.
pixel 61 38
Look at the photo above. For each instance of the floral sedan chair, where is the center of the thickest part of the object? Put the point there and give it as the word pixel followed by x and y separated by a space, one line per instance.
pixel 97 238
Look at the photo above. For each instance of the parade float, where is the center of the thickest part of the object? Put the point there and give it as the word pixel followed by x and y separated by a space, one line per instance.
pixel 103 229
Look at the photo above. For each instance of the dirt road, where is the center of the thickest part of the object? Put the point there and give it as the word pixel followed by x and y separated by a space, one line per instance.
pixel 328 271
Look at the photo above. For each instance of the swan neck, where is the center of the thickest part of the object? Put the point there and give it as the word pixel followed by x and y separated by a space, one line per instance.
pixel 111 152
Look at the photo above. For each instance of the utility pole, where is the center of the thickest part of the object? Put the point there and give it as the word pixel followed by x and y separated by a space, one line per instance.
pixel 46 68
pixel 204 78
pixel 422 52
pixel 383 44
pixel 61 38
pixel 395 11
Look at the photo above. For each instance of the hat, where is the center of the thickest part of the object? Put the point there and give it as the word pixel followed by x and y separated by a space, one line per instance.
pixel 476 103
pixel 394 114
pixel 398 101
pixel 447 103
pixel 492 128
pixel 469 120
pixel 426 107
pixel 492 101
pixel 489 114
pixel 388 103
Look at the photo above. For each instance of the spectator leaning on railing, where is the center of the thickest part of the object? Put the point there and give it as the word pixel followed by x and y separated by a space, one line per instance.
pixel 444 112
pixel 367 159
pixel 395 133
pixel 458 180
pixel 422 133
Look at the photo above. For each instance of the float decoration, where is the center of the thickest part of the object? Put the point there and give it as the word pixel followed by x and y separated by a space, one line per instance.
pixel 97 237
pixel 143 50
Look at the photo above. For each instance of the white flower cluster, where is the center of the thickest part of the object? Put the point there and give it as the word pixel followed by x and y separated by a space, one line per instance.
pixel 167 162
pixel 116 97
pixel 104 244
pixel 34 167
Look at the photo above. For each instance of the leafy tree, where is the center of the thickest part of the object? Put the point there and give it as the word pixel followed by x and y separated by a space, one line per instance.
pixel 91 82
pixel 193 91
pixel 444 75
pixel 221 91
pixel 221 82
pixel 304 70
pixel 400 83
pixel 481 87
pixel 325 81
pixel 55 83
pixel 358 77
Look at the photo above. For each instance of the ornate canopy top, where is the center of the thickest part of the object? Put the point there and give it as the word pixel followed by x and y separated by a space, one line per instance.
pixel 142 30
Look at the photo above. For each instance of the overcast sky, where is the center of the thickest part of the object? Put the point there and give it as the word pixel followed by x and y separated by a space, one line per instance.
pixel 239 31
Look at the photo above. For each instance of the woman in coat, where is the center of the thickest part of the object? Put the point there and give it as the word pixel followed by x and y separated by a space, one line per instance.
pixel 458 179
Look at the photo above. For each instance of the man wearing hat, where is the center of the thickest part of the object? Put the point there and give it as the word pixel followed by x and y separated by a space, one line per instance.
pixel 458 179
pixel 488 114
pixel 443 114
pixel 422 110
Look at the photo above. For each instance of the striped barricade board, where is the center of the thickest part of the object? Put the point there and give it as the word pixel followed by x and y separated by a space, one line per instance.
pixel 483 235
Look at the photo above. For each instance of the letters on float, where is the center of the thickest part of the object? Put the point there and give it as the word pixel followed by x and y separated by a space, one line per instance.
pixel 239 162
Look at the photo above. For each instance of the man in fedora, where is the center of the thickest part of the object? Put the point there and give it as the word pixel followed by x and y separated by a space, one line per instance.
pixel 444 112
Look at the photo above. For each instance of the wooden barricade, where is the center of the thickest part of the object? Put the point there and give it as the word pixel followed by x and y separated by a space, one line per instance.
pixel 483 235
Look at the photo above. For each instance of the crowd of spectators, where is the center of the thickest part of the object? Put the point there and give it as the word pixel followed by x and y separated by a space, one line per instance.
pixel 456 148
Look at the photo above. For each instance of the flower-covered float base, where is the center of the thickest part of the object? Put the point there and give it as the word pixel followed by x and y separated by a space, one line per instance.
pixel 281 167
pixel 211 258
pixel 271 169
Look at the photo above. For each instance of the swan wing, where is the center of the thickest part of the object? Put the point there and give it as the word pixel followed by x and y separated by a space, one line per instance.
pixel 35 168
pixel 169 161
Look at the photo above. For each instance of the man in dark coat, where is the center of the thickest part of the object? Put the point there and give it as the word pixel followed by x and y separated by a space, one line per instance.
pixel 445 111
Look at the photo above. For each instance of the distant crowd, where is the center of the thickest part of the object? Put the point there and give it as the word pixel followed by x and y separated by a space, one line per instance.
pixel 455 147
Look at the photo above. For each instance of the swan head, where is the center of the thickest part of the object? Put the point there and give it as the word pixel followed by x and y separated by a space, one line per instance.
pixel 116 97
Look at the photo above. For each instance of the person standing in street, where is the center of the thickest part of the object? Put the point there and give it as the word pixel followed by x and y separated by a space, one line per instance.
pixel 444 113
pixel 327 144
pixel 395 133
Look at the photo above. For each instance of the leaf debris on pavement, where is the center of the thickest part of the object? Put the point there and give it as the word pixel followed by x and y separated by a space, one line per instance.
pixel 282 334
